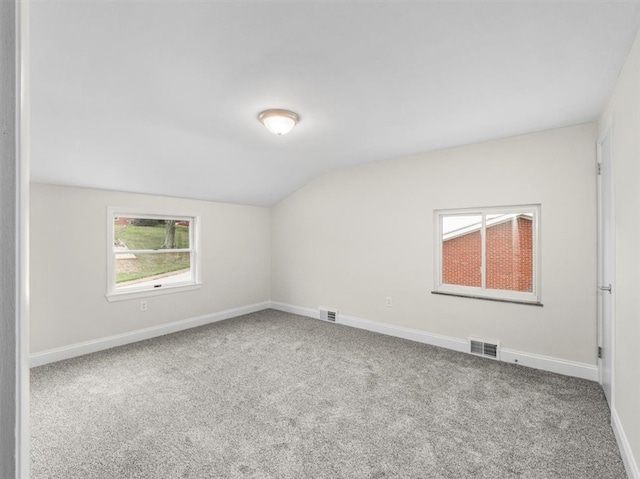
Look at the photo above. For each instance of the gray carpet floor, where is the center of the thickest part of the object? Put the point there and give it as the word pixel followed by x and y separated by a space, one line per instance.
pixel 274 395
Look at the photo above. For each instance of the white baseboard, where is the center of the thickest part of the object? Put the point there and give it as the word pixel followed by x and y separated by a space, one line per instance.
pixel 554 365
pixel 545 363
pixel 382 328
pixel 630 463
pixel 447 342
pixel 299 310
pixel 79 349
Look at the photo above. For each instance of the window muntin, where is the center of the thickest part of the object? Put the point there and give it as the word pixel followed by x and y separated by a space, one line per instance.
pixel 150 252
pixel 489 252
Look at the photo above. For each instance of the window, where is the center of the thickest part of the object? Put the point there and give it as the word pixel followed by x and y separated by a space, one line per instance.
pixel 489 253
pixel 150 254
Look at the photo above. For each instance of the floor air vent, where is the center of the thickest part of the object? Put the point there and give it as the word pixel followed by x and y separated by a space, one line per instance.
pixel 483 348
pixel 328 315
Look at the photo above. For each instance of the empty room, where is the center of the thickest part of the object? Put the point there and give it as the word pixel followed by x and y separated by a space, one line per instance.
pixel 320 239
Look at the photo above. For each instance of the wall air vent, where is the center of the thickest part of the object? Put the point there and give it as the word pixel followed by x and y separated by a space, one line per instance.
pixel 484 348
pixel 328 315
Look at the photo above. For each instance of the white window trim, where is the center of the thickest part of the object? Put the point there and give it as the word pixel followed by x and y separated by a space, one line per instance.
pixel 533 297
pixel 196 283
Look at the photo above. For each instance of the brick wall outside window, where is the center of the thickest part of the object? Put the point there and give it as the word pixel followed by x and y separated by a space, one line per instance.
pixel 462 260
pixel 509 257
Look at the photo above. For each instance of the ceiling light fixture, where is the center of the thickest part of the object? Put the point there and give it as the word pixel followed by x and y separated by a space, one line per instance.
pixel 277 121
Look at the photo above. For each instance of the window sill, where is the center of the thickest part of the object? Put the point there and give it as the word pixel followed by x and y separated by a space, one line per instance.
pixel 129 295
pixel 486 298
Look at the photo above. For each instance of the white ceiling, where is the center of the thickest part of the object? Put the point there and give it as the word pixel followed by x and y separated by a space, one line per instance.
pixel 162 97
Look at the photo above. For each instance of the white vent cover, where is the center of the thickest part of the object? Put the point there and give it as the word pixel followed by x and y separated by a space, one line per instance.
pixel 328 314
pixel 487 349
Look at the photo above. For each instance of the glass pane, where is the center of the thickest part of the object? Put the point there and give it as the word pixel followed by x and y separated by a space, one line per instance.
pixel 148 233
pixel 148 269
pixel 462 250
pixel 509 252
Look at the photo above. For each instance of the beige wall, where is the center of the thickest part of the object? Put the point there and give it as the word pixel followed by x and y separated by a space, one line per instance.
pixel 623 111
pixel 68 258
pixel 352 237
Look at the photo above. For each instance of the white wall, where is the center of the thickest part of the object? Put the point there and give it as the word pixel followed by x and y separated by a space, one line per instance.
pixel 68 258
pixel 623 111
pixel 352 237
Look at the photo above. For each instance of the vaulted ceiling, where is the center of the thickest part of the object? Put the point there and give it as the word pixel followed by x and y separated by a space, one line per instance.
pixel 162 97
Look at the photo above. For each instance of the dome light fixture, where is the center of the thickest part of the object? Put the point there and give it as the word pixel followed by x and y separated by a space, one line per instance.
pixel 278 122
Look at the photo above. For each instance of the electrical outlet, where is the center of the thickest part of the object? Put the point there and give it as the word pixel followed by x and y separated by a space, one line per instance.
pixel 388 302
pixel 143 305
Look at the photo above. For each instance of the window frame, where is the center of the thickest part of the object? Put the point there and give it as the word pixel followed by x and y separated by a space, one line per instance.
pixel 533 297
pixel 194 250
